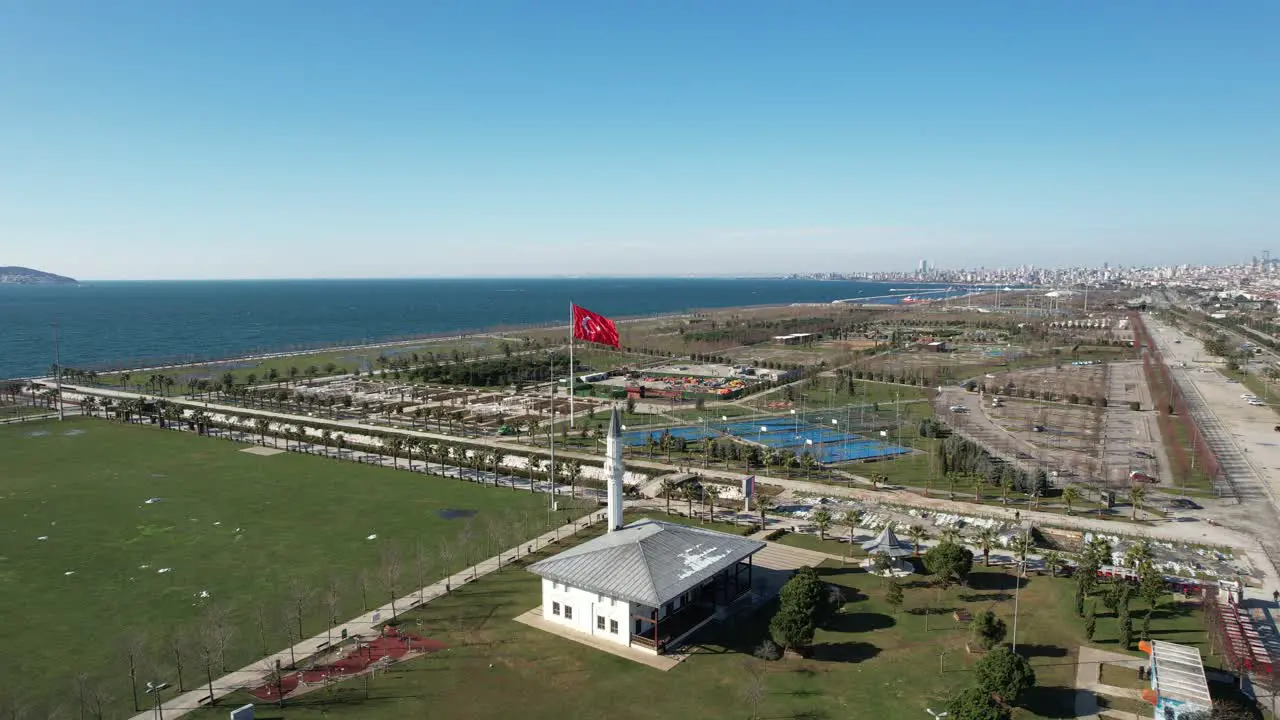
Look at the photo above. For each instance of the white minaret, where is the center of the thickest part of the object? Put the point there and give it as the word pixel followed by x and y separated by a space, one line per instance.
pixel 613 470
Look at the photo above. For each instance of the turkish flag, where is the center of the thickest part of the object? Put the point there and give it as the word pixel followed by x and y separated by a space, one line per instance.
pixel 593 327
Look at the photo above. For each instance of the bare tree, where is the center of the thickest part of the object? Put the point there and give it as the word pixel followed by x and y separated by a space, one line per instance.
pixel 260 617
pixel 286 624
pixel 495 530
pixel 82 693
pixel 466 537
pixel 422 568
pixel 135 648
pixel 363 580
pixel 448 558
pixel 390 570
pixel 754 692
pixel 211 640
pixel 332 600
pixel 298 594
pixel 175 646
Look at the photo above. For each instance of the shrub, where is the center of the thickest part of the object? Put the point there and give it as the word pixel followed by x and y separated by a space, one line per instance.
pixel 988 630
pixel 950 562
pixel 768 650
pixel 776 534
pixel 1005 673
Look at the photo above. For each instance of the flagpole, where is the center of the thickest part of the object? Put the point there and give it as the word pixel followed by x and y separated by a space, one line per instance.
pixel 551 433
pixel 571 375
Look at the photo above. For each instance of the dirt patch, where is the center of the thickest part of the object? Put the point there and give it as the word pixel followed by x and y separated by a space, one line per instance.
pixel 263 451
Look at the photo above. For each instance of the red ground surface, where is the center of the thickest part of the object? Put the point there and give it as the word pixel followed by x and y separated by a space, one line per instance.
pixel 393 644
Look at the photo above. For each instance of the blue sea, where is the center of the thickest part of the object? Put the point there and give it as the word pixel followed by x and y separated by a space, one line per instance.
pixel 131 324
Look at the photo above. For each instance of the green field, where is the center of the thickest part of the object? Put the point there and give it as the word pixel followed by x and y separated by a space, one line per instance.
pixel 241 527
pixel 868 661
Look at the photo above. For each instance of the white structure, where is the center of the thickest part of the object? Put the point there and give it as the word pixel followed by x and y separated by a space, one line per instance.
pixel 1178 685
pixel 613 471
pixel 648 584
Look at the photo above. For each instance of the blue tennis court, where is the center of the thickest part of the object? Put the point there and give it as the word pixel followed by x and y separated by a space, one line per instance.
pixel 845 452
pixel 637 438
pixel 790 438
pixel 829 445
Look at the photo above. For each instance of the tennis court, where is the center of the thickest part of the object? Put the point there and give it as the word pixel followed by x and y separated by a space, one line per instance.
pixel 825 443
pixel 691 433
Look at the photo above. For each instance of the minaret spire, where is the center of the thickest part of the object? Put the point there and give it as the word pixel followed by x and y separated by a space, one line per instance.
pixel 614 470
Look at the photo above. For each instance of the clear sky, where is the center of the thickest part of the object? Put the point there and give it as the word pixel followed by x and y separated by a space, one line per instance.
pixel 306 138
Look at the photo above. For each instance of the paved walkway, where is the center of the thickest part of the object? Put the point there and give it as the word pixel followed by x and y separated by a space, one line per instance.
pixel 365 625
pixel 1088 664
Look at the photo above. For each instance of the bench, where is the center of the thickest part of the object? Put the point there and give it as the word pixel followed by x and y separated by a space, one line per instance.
pixel 962 616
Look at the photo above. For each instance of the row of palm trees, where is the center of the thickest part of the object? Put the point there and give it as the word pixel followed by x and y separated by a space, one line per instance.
pixel 298 437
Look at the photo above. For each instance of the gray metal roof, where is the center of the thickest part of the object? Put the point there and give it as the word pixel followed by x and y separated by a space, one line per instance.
pixel 888 544
pixel 647 561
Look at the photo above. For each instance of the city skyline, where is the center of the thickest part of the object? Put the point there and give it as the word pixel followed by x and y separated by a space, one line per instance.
pixel 495 140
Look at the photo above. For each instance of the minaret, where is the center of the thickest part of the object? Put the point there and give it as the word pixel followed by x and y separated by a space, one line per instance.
pixel 613 470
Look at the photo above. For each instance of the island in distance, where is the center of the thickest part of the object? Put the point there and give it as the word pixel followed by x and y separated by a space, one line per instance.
pixel 14 275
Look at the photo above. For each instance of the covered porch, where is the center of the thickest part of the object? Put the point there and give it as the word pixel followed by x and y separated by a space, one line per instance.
pixel 658 628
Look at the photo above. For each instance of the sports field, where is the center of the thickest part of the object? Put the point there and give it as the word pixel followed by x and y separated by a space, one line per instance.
pixel 109 530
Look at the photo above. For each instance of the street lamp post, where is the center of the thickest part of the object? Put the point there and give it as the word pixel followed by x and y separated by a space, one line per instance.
pixel 153 689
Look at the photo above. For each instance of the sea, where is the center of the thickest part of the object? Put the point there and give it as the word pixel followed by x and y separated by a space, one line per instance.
pixel 111 325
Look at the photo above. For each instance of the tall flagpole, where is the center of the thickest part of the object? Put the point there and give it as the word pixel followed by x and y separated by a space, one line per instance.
pixel 571 375
pixel 551 433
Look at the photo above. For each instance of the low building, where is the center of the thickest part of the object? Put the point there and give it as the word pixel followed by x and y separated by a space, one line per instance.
pixel 647 584
pixel 795 338
pixel 1178 685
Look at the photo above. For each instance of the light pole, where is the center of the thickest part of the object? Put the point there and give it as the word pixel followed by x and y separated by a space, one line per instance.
pixel 57 373
pixel 1017 586
pixel 153 689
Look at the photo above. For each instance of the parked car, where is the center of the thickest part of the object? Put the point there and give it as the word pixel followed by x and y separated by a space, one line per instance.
pixel 1184 504
pixel 1139 476
pixel 959 409
pixel 1143 454
pixel 1256 402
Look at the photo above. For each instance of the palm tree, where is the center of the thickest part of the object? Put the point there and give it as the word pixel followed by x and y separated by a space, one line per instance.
pixel 575 470
pixel 168 384
pixel 1052 561
pixel 917 534
pixel 822 520
pixel 1022 545
pixel 1136 495
pixel 669 487
pixel 712 492
pixel 763 503
pixel 124 379
pixel 325 437
pixel 986 538
pixel 1138 554
pixel 394 445
pixel 1070 494
pixel 262 425
pixel 341 441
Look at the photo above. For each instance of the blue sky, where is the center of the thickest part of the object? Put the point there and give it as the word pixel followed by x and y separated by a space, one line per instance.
pixel 143 139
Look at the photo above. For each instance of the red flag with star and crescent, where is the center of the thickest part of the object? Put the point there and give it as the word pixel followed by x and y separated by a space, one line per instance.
pixel 594 327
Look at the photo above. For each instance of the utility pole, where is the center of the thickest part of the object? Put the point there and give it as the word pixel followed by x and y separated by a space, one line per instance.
pixel 57 373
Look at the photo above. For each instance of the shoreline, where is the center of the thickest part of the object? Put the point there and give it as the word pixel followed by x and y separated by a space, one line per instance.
pixel 496 331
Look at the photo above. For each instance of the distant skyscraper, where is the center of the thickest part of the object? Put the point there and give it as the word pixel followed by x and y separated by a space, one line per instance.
pixel 924 267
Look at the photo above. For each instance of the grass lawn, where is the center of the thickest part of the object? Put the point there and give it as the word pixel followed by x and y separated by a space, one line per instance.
pixel 238 526
pixel 822 393
pixel 9 412
pixel 868 661
pixel 830 545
